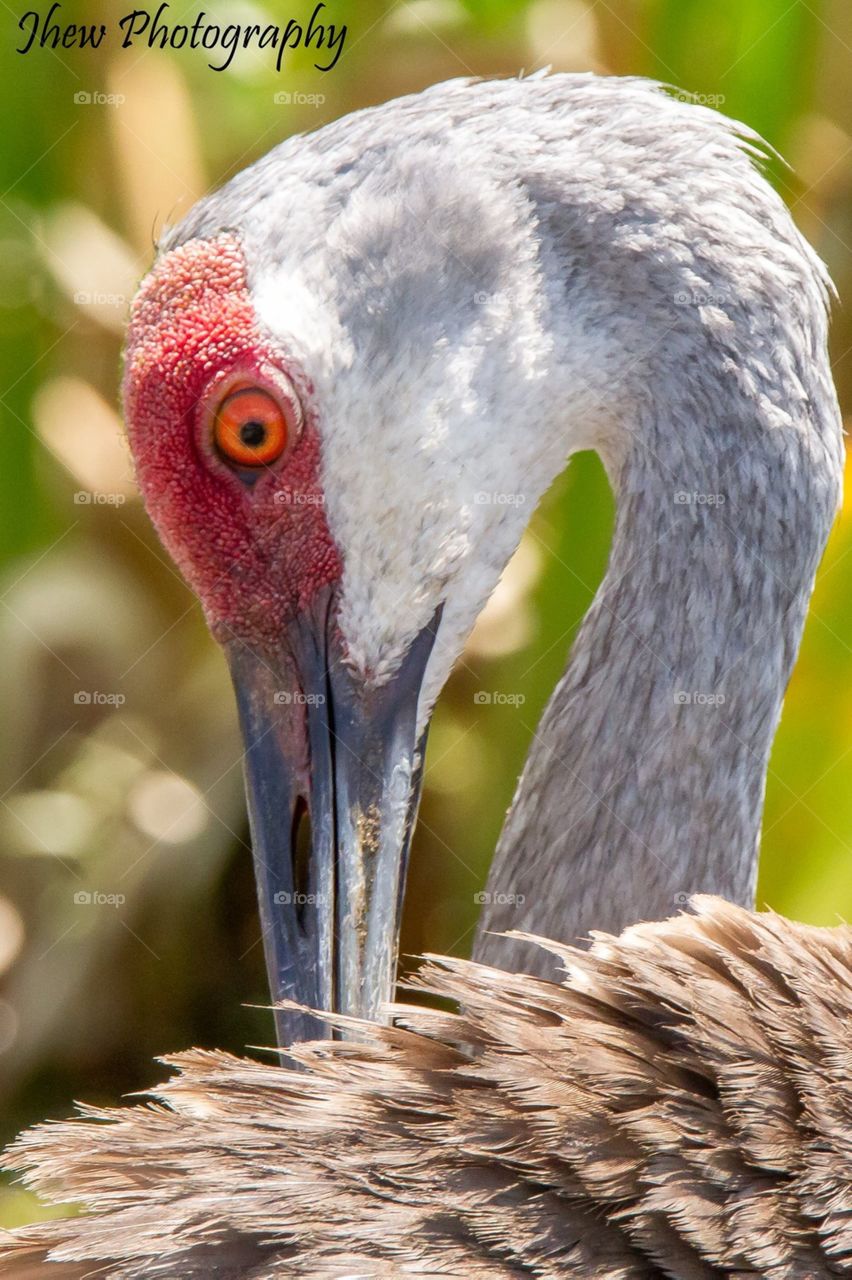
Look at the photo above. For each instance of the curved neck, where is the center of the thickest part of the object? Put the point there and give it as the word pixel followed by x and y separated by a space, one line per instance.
pixel 645 779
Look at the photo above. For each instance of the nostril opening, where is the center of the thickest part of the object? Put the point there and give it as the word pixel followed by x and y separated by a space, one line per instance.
pixel 300 844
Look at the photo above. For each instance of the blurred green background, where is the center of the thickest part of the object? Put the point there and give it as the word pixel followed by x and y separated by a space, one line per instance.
pixel 134 792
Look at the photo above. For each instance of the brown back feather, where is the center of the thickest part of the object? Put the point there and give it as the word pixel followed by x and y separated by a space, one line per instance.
pixel 681 1106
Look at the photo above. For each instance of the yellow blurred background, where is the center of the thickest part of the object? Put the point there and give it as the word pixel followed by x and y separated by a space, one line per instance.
pixel 127 915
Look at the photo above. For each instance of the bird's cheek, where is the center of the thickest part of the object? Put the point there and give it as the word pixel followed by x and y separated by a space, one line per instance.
pixel 254 586
pixel 291 532
pixel 303 558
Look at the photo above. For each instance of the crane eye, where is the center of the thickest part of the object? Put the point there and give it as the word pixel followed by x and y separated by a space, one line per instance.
pixel 250 428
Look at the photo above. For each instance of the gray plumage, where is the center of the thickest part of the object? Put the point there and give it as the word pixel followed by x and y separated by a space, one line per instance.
pixel 681 1105
pixel 481 279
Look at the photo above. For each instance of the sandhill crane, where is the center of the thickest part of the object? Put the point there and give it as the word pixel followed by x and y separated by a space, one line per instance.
pixel 349 378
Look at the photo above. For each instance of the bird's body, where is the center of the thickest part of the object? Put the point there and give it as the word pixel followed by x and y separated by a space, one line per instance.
pixel 339 372
pixel 681 1106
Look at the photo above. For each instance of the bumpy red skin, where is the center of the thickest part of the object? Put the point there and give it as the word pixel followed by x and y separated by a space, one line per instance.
pixel 254 556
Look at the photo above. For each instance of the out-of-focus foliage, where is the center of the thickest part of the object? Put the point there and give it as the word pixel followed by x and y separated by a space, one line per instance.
pixel 127 919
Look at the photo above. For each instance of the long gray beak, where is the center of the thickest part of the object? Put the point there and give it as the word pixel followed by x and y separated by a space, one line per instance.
pixel 333 776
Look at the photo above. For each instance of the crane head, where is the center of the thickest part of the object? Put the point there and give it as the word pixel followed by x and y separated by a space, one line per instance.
pixel 224 429
pixel 349 378
pixel 315 406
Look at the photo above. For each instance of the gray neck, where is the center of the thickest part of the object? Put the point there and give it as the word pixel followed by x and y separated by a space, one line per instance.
pixel 645 779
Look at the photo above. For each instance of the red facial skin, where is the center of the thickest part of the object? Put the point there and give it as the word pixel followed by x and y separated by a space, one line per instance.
pixel 255 555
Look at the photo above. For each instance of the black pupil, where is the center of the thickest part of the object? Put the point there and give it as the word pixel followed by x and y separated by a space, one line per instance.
pixel 253 434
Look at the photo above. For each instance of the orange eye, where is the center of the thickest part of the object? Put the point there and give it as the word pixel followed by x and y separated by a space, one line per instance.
pixel 250 428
